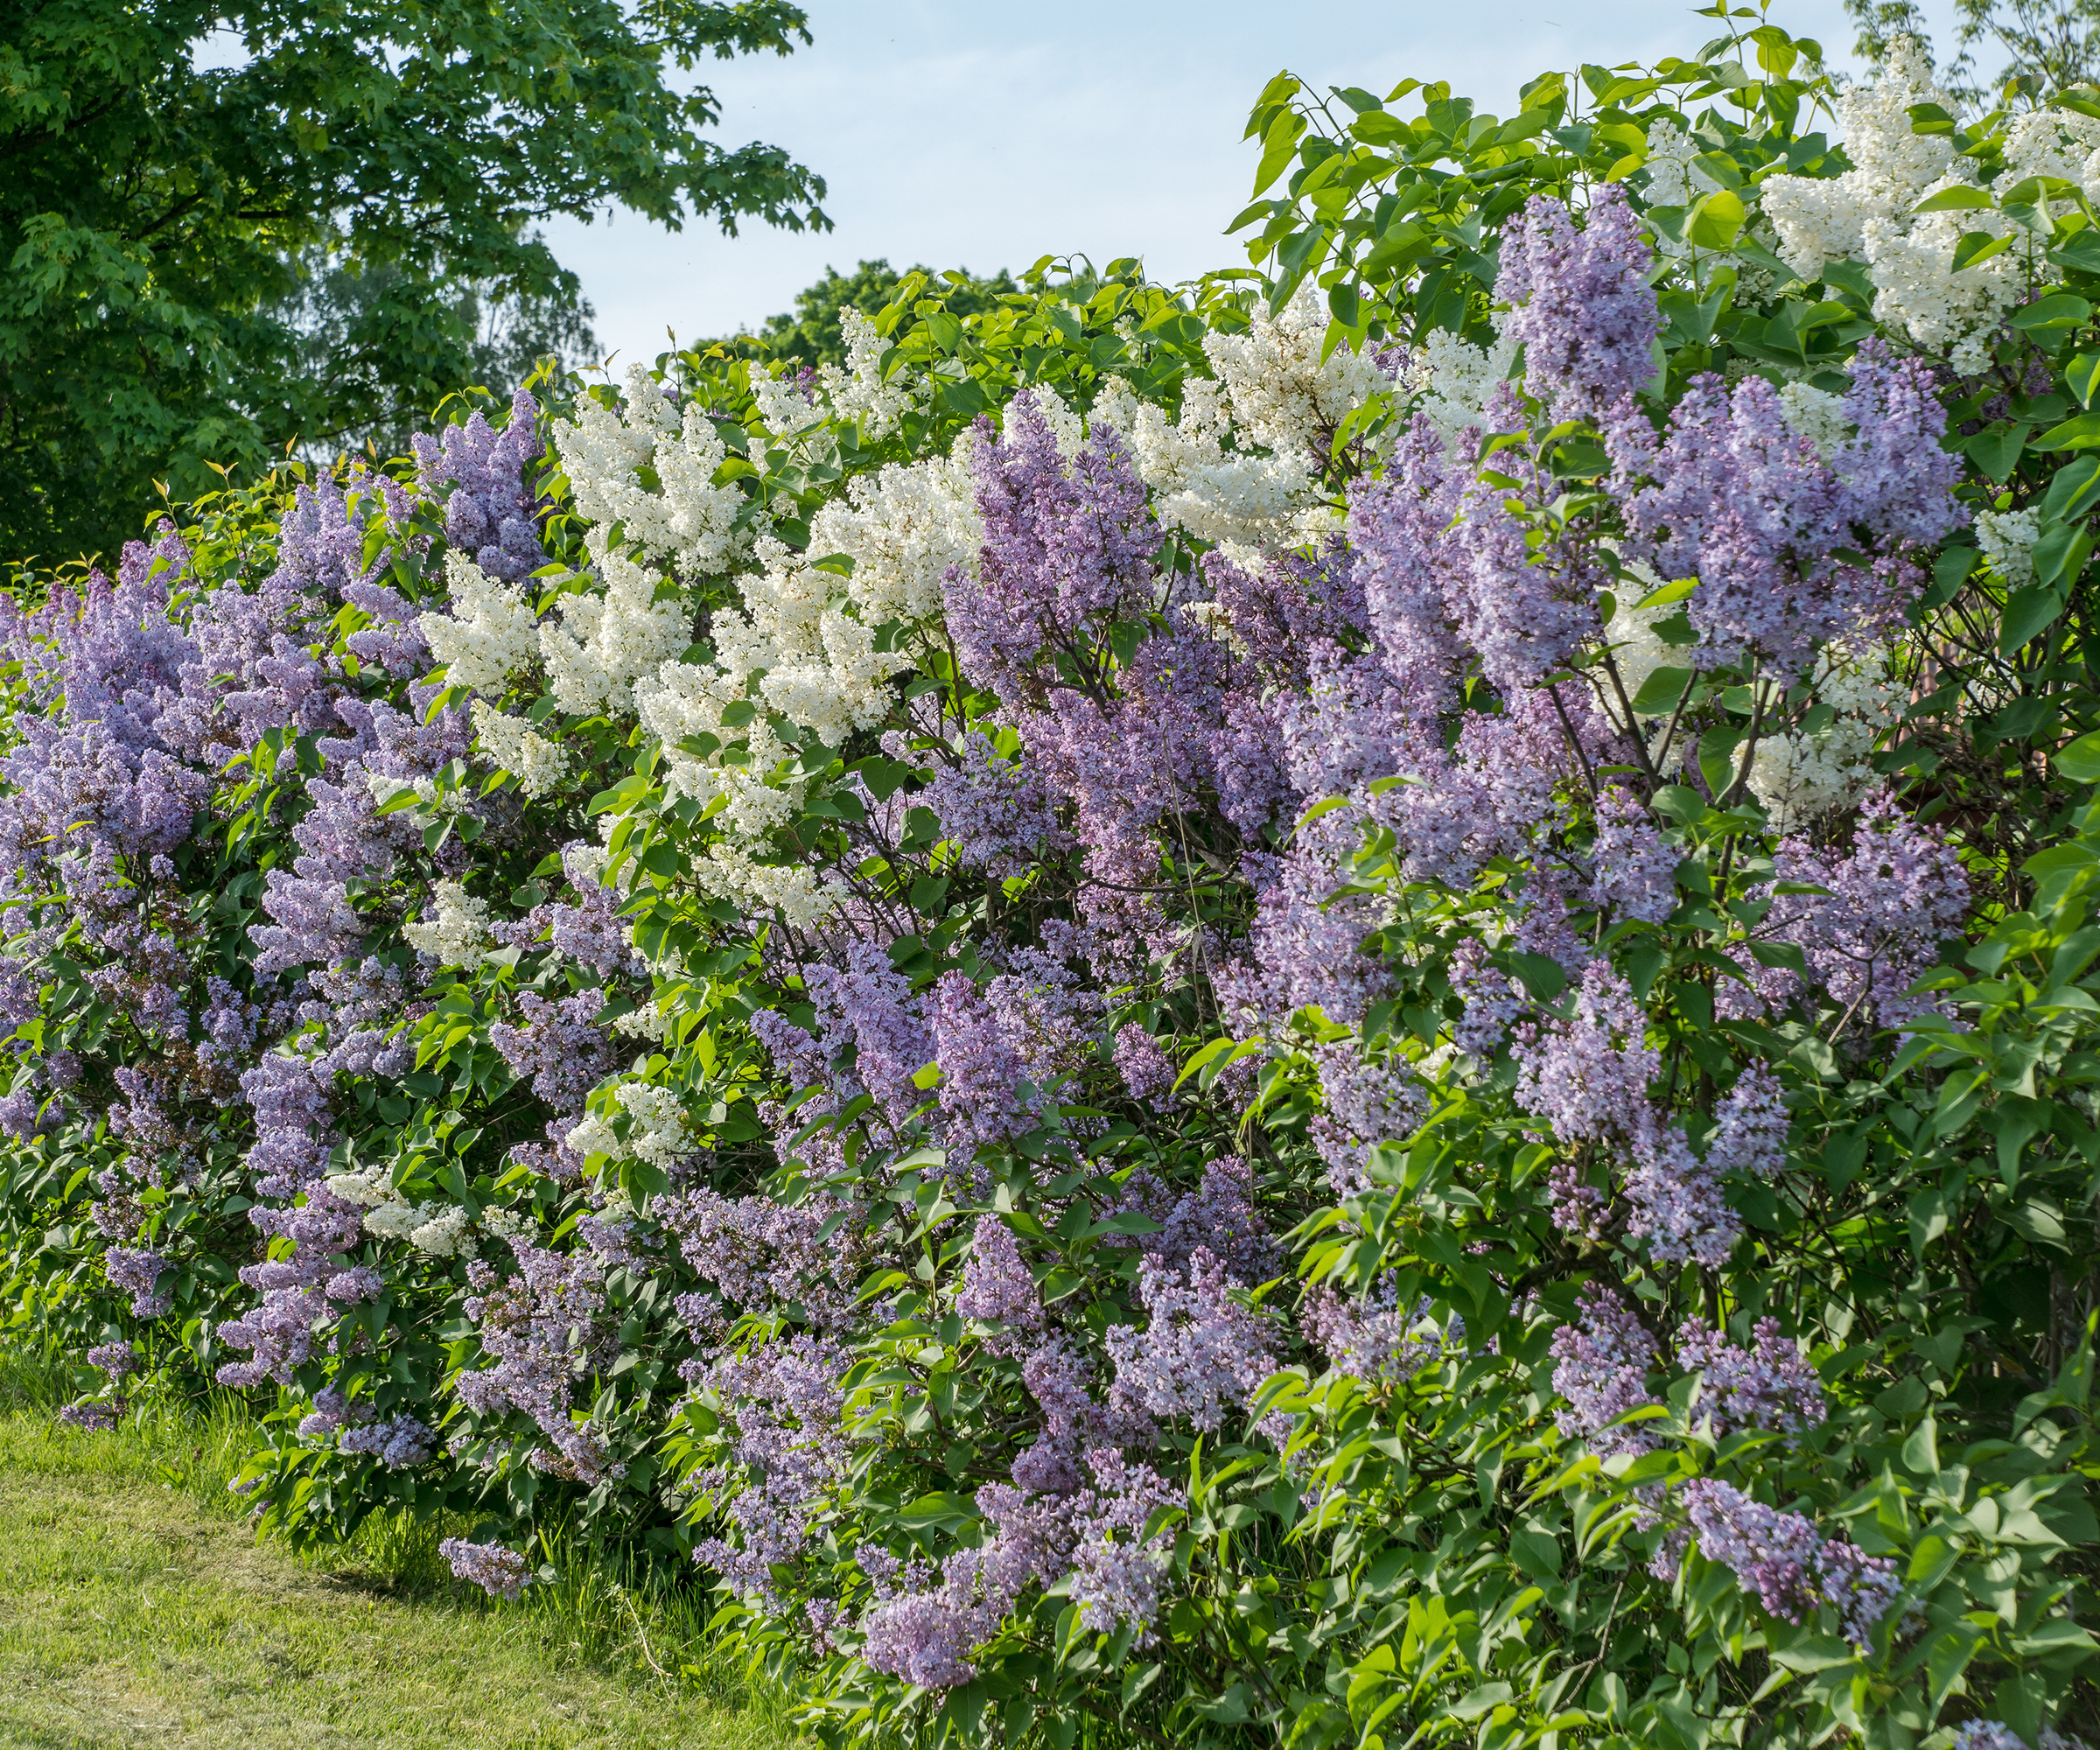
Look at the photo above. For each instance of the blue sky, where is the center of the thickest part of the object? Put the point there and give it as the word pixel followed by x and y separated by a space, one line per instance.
pixel 985 135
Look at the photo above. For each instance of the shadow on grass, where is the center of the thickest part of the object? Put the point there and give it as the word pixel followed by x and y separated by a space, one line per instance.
pixel 612 1619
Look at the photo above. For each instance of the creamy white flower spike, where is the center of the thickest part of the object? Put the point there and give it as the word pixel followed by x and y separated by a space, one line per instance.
pixel 489 634
pixel 656 1131
pixel 691 522
pixel 603 643
pixel 1817 414
pixel 1820 220
pixel 454 931
pixel 1454 378
pixel 2008 538
pixel 512 744
pixel 1282 393
pixel 859 393
pixel 783 407
pixel 1918 289
pixel 1799 777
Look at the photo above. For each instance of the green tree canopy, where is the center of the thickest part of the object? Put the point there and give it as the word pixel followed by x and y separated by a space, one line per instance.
pixel 161 223
pixel 811 330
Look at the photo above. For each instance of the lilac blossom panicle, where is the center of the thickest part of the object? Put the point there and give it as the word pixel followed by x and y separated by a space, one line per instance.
pixel 1588 1078
pixel 766 1254
pixel 1987 1735
pixel 488 512
pixel 1368 1103
pixel 137 1270
pixel 119 1361
pixel 1990 1734
pixel 1375 1340
pixel 997 1284
pixel 1635 871
pixel 1780 1559
pixel 498 1571
pixel 1068 553
pixel 782 1403
pixel 1218 1217
pixel 1769 1385
pixel 1877 929
pixel 1115 1579
pixel 1751 1125
pixel 1602 1362
pixel 1734 496
pixel 995 810
pixel 398 1443
pixel 1147 1072
pixel 544 1328
pixel 1198 1350
pixel 1581 302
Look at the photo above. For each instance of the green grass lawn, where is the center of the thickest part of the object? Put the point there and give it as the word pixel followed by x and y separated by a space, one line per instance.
pixel 136 1609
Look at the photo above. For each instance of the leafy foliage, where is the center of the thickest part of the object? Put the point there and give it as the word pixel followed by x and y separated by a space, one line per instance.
pixel 1348 1007
pixel 160 220
pixel 811 334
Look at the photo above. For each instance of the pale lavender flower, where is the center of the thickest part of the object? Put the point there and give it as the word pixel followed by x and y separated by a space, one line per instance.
pixel 1580 302
pixel 1736 498
pixel 544 1329
pixel 995 810
pixel 398 1443
pixel 780 1402
pixel 1198 1350
pixel 1752 1121
pixel 1780 1557
pixel 137 1270
pixel 1369 1102
pixel 1877 929
pixel 1601 1367
pixel 1146 1070
pixel 119 1361
pixel 1374 1340
pixel 997 1285
pixel 1770 1385
pixel 1634 872
pixel 1117 1579
pixel 499 1571
pixel 1218 1217
pixel 1677 1206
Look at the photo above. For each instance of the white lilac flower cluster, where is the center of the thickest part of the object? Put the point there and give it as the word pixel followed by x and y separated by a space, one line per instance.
pixel 437 1229
pixel 802 645
pixel 2008 538
pixel 454 930
pixel 1451 379
pixel 859 392
pixel 1802 775
pixel 513 745
pixel 1273 391
pixel 1870 213
pixel 656 1130
pixel 687 520
pixel 791 402
pixel 489 634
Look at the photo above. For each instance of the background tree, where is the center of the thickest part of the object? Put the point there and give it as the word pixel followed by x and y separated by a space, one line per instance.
pixel 509 334
pixel 812 333
pixel 163 224
pixel 2048 46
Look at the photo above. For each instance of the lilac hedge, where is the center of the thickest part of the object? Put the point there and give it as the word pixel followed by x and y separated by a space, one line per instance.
pixel 1350 1006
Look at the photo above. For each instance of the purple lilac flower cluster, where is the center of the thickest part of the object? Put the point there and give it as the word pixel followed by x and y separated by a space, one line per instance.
pixel 498 1571
pixel 543 1327
pixel 1791 1569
